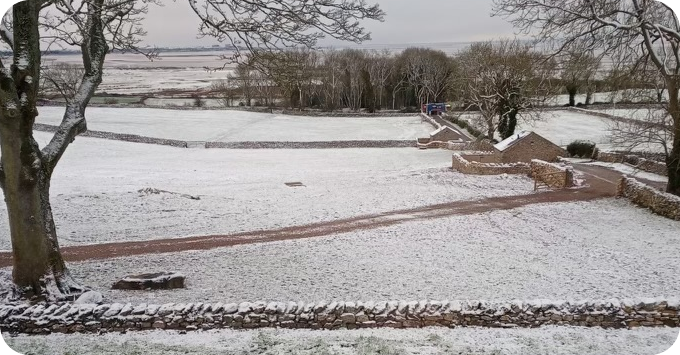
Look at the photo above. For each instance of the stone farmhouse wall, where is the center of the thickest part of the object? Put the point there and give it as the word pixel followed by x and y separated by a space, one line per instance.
pixel 552 175
pixel 659 202
pixel 475 168
pixel 532 147
pixel 91 318
pixel 643 164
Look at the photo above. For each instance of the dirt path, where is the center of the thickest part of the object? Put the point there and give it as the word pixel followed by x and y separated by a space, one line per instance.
pixel 602 184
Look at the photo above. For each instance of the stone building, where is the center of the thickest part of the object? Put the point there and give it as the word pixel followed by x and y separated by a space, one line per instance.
pixel 526 146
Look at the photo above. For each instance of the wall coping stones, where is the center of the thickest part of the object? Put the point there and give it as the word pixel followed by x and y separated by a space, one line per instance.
pixel 91 318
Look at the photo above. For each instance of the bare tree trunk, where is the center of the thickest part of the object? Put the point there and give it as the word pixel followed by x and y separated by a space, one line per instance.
pixel 673 160
pixel 572 96
pixel 37 262
pixel 25 172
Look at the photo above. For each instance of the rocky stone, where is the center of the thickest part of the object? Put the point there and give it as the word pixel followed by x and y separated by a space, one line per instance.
pixel 90 297
pixel 348 318
pixel 153 281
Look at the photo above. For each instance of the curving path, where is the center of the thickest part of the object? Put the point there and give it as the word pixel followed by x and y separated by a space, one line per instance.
pixel 602 183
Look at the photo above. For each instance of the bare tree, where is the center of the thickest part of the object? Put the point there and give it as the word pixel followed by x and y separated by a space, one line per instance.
pixel 578 68
pixel 61 79
pixel 97 27
pixel 639 30
pixel 504 81
pixel 331 79
pixel 649 128
pixel 380 68
pixel 244 79
pixel 224 89
pixel 352 63
pixel 94 26
pixel 264 88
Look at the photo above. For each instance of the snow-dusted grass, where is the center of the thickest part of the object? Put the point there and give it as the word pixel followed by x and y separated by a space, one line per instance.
pixel 561 127
pixel 587 250
pixel 232 125
pixel 642 113
pixel 95 198
pixel 564 127
pixel 428 341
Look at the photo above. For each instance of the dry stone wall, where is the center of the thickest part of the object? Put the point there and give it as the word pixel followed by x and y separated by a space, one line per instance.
pixel 481 145
pixel 553 175
pixel 118 317
pixel 474 168
pixel 643 164
pixel 659 202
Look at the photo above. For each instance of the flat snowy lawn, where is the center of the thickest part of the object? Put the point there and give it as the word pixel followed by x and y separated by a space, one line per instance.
pixel 428 341
pixel 95 188
pixel 234 125
pixel 587 250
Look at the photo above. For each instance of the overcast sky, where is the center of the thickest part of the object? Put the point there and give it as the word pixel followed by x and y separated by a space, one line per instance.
pixel 407 22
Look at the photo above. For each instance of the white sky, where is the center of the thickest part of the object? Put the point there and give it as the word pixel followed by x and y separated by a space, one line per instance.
pixel 407 21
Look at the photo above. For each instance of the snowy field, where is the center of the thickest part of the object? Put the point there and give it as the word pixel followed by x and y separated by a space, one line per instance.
pixel 131 74
pixel 235 126
pixel 643 114
pixel 428 341
pixel 562 127
pixel 95 188
pixel 572 251
pixel 636 95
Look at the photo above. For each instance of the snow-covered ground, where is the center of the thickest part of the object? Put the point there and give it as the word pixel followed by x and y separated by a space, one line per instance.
pixel 586 250
pixel 564 127
pixel 234 125
pixel 95 188
pixel 641 113
pixel 427 341
pixel 636 95
pixel 632 171
pixel 561 126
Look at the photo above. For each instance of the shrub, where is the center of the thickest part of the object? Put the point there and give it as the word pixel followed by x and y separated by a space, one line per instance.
pixel 110 101
pixel 581 149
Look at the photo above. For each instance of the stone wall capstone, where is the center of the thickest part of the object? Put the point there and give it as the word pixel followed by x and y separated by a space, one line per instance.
pixel 119 317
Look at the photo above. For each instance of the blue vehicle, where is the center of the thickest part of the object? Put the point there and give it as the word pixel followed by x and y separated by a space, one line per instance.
pixel 434 109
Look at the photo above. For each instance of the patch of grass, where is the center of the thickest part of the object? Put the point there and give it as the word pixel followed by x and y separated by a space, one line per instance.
pixel 373 346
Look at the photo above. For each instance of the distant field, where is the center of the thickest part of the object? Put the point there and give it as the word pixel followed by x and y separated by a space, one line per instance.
pixel 234 126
